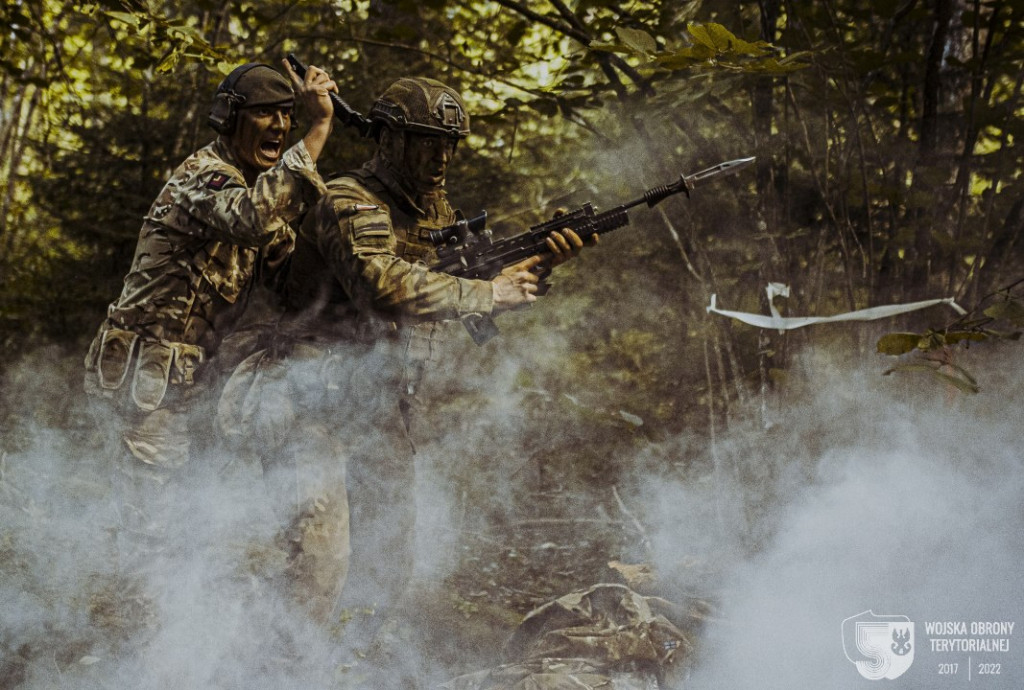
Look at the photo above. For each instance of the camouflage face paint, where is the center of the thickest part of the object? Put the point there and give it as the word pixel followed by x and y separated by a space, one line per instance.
pixel 259 139
pixel 427 158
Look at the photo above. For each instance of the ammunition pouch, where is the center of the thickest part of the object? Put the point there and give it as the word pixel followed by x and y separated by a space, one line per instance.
pixel 115 355
pixel 152 373
pixel 157 365
pixel 187 360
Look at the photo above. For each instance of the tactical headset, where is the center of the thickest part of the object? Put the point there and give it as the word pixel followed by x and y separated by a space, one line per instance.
pixel 227 101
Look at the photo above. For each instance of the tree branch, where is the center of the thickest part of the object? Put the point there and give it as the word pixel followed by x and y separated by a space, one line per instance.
pixel 576 30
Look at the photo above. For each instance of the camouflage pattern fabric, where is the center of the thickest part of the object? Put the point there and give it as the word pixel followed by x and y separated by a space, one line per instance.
pixel 264 402
pixel 202 245
pixel 358 291
pixel 364 249
pixel 605 637
pixel 198 247
pixel 323 421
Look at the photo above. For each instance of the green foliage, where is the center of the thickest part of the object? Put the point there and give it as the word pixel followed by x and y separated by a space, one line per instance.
pixel 937 349
pixel 172 40
pixel 873 184
pixel 902 343
pixel 706 45
pixel 1007 310
pixel 947 374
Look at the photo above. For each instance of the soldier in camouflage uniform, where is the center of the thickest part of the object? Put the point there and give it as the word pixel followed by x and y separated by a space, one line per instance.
pixel 220 220
pixel 360 289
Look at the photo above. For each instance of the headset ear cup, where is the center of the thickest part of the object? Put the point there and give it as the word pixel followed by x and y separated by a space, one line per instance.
pixel 222 114
pixel 224 111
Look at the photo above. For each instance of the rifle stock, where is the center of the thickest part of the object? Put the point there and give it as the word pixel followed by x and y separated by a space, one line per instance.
pixel 345 113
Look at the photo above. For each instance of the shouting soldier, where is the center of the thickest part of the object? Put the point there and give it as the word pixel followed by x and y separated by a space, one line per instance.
pixel 220 223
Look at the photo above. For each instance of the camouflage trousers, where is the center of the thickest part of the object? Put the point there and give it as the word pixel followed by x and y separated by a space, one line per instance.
pixel 150 452
pixel 331 438
pixel 305 487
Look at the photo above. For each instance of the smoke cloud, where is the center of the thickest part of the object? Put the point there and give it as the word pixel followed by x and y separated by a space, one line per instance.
pixel 865 493
pixel 888 495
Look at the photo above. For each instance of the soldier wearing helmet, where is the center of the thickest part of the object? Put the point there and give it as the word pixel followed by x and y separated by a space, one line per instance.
pixel 221 218
pixel 360 289
pixel 363 251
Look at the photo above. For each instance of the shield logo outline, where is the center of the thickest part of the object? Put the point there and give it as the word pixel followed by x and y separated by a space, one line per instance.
pixel 880 646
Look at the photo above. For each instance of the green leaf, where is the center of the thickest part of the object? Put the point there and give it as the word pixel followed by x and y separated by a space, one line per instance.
pixel 1009 310
pixel 124 17
pixel 721 40
pixel 956 382
pixel 687 57
pixel 636 40
pixel 702 36
pixel 964 374
pixel 898 343
pixel 169 62
pixel 607 47
pixel 958 336
pixel 1003 335
pixel 967 385
pixel 773 66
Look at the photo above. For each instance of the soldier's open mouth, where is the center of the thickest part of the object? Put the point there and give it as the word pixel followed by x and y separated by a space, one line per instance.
pixel 271 149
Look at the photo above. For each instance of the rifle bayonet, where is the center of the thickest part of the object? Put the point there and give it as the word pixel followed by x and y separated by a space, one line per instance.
pixel 726 168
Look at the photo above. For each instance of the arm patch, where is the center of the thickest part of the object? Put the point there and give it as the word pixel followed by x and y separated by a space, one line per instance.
pixel 369 224
pixel 218 181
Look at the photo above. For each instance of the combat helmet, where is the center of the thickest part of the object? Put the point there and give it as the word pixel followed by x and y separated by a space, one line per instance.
pixel 421 105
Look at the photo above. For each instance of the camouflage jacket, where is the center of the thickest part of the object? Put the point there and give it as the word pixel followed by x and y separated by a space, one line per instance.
pixel 606 636
pixel 362 255
pixel 200 245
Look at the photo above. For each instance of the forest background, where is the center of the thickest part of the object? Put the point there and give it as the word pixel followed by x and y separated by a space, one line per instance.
pixel 885 135
pixel 888 170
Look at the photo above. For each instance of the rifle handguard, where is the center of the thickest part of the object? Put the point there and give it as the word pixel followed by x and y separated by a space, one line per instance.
pixel 466 249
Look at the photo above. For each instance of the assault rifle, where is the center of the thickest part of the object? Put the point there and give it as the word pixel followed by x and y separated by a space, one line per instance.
pixel 467 248
pixel 345 113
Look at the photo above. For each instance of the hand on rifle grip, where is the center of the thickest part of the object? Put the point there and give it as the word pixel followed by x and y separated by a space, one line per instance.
pixel 516 285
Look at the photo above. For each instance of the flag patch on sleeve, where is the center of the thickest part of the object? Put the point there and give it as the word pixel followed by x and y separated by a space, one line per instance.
pixel 218 181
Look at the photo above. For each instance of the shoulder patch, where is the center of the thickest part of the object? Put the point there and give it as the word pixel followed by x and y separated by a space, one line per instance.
pixel 371 225
pixel 218 181
pixel 364 207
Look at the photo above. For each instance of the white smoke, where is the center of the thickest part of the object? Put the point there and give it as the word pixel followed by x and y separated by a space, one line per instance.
pixel 867 493
pixel 890 495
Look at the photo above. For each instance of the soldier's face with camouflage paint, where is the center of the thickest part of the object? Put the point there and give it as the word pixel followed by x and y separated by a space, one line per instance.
pixel 427 158
pixel 259 138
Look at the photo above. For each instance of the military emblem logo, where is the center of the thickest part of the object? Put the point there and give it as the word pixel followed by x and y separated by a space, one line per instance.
pixel 880 646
